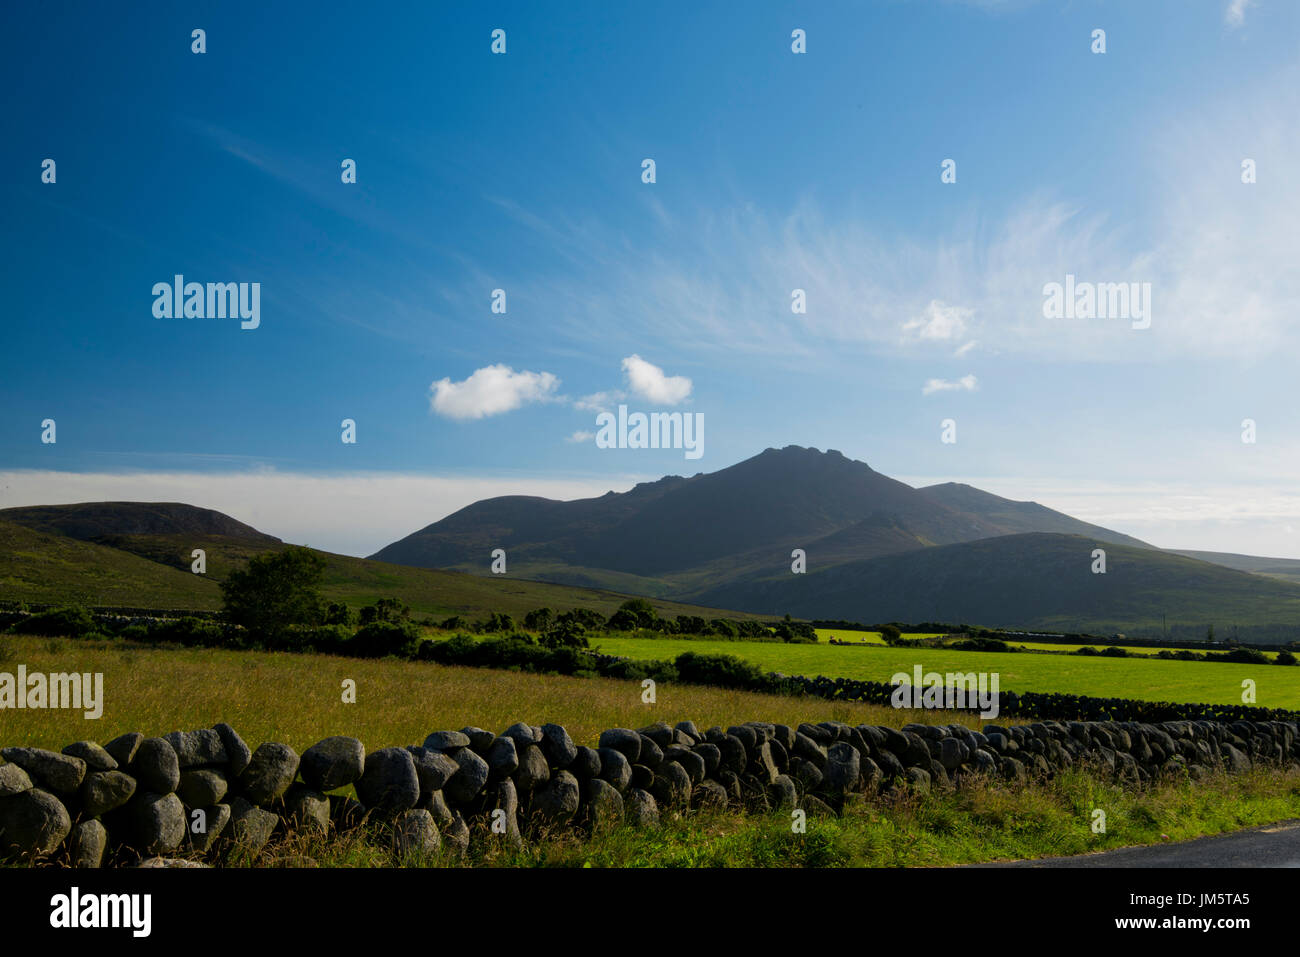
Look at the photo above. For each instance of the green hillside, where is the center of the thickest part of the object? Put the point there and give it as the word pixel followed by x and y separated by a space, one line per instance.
pixel 153 571
pixel 1039 581
pixel 40 567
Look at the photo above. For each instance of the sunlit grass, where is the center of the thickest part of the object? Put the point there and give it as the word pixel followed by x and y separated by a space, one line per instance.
pixel 1147 679
pixel 298 699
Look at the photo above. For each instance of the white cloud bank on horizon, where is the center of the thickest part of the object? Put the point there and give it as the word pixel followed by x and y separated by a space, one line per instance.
pixel 351 513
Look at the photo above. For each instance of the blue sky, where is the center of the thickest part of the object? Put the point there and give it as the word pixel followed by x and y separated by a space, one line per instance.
pixel 775 171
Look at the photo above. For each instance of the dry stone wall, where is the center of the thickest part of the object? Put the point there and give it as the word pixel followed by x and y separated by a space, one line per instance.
pixel 138 799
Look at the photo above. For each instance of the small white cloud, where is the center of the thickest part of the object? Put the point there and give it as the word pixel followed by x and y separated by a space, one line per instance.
pixel 577 437
pixel 649 382
pixel 939 322
pixel 967 347
pixel 966 383
pixel 598 401
pixel 490 391
pixel 1235 14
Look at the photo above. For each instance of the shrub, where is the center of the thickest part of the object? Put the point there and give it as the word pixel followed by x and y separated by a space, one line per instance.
pixel 723 627
pixel 692 625
pixel 720 671
pixel 565 633
pixel 134 633
pixel 1086 650
pixel 340 614
pixel 72 622
pixel 328 639
pixel 497 621
pixel 1114 651
pixel 628 670
pixel 1245 656
pixel 1284 657
pixel 588 619
pixel 564 661
pixel 453 651
pixel 385 609
pixel 982 644
pixel 188 631
pixel 794 631
pixel 379 639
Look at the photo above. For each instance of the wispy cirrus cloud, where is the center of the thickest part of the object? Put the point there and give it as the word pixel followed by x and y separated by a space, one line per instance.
pixel 1218 254
pixel 938 321
pixel 1235 13
pixel 599 401
pixel 967 383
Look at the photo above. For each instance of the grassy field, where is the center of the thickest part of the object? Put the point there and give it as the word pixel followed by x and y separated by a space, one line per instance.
pixel 873 638
pixel 1148 679
pixel 1131 649
pixel 297 699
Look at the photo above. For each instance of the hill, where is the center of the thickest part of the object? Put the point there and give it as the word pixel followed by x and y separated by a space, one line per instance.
pixel 92 521
pixel 37 566
pixel 1287 569
pixel 1037 580
pixel 137 570
pixel 680 537
pixel 1020 517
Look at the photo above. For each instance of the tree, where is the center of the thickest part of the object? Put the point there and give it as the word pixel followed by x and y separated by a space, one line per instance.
pixel 633 613
pixel 275 592
pixel 539 619
pixel 567 631
pixel 890 634
pixel 497 621
pixel 339 614
pixel 386 609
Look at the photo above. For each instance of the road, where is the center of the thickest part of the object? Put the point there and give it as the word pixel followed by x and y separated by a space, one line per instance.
pixel 1273 845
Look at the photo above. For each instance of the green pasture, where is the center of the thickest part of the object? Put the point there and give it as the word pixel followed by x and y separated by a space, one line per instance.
pixel 1149 679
